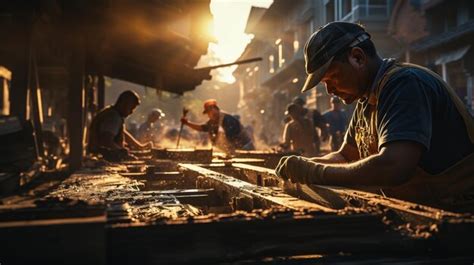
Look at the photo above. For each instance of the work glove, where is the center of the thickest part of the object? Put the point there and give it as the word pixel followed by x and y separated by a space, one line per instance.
pixel 300 170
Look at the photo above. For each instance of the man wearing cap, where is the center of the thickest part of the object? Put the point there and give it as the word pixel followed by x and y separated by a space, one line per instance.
pixel 336 119
pixel 225 131
pixel 107 133
pixel 150 128
pixel 396 142
pixel 299 134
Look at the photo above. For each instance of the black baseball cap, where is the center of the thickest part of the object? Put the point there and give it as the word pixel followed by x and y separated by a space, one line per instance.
pixel 327 42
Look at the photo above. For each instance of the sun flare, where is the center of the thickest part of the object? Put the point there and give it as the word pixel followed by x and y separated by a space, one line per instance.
pixel 230 18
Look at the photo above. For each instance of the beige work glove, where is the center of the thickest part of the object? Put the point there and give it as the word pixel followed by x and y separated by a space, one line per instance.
pixel 300 170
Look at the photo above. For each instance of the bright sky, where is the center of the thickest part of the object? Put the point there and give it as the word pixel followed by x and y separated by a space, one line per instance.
pixel 230 19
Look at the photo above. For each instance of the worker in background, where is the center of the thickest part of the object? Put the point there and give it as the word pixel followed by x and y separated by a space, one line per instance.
pixel 150 129
pixel 250 128
pixel 337 120
pixel 410 136
pixel 299 133
pixel 107 134
pixel 225 131
pixel 317 119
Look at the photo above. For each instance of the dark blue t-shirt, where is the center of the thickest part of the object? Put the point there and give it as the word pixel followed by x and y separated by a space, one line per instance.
pixel 231 126
pixel 337 120
pixel 415 106
pixel 232 129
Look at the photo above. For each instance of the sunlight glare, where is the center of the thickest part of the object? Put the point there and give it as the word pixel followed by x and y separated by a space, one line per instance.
pixel 230 18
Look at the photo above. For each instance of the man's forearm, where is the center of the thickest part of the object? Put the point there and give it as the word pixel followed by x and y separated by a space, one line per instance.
pixel 131 140
pixel 331 158
pixel 375 170
pixel 395 164
pixel 195 126
pixel 346 154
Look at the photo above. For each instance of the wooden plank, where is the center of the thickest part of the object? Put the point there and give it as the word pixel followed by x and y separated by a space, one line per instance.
pixel 183 154
pixel 261 176
pixel 37 105
pixel 271 158
pixel 247 161
pixel 46 222
pixel 231 238
pixel 374 199
pixel 445 229
pixel 341 197
pixel 366 259
pixel 273 196
pixel 54 241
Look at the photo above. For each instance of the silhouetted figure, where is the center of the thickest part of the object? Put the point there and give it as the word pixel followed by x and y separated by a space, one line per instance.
pixel 107 134
pixel 150 128
pixel 299 133
pixel 337 120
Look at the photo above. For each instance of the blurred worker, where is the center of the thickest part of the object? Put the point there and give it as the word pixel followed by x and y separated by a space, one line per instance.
pixel 410 136
pixel 316 118
pixel 336 119
pixel 251 130
pixel 299 133
pixel 107 134
pixel 225 131
pixel 149 130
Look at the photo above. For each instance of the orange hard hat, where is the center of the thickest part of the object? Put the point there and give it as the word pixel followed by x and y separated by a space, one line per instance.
pixel 209 104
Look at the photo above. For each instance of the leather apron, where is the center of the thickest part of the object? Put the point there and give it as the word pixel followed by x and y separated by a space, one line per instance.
pixel 452 189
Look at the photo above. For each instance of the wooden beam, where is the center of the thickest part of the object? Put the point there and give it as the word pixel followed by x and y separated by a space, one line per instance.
pixel 18 64
pixel 54 241
pixel 75 121
pixel 19 87
pixel 36 105
pixel 229 239
pixel 341 197
pixel 101 92
pixel 409 209
pixel 267 195
pixel 261 176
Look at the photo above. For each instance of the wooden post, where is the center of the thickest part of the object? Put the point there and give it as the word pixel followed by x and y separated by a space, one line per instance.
pixel 101 92
pixel 18 65
pixel 36 105
pixel 76 103
pixel 19 86
pixel 5 77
